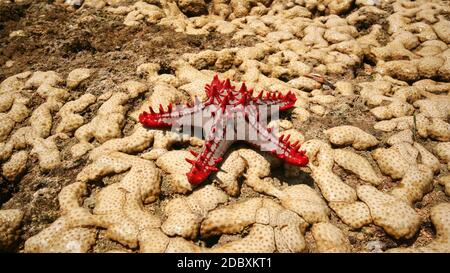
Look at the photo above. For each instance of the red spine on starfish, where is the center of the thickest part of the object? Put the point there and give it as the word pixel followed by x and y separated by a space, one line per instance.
pixel 224 102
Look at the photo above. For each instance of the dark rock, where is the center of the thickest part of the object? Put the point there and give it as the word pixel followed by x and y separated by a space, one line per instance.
pixel 192 7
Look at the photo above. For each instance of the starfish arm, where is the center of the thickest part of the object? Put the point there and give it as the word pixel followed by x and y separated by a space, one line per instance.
pixel 277 99
pixel 164 118
pixel 211 153
pixel 281 147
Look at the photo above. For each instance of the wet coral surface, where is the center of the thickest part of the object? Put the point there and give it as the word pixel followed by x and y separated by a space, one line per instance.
pixel 79 173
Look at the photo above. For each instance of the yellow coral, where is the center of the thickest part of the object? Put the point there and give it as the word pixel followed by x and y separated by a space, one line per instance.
pixel 397 218
pixel 329 238
pixel 350 135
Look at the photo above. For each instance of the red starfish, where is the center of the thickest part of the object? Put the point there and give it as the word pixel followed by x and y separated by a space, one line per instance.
pixel 227 111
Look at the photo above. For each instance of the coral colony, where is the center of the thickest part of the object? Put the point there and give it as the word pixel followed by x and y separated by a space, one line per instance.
pixel 233 115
